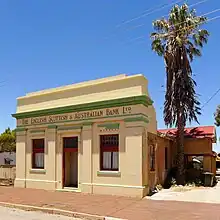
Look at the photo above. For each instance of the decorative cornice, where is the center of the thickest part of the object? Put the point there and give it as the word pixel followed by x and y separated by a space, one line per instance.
pixel 138 118
pixel 37 131
pixel 109 126
pixel 69 128
pixel 52 126
pixel 87 123
pixel 135 100
pixel 20 129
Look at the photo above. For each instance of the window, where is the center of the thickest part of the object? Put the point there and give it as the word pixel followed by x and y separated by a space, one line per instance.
pixel 70 144
pixel 152 158
pixel 109 152
pixel 166 158
pixel 38 153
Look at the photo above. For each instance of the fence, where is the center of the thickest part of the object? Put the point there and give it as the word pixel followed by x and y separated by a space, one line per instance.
pixel 7 172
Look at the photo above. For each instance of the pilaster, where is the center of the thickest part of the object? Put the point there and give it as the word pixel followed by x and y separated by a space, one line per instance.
pixel 51 154
pixel 21 141
pixel 86 168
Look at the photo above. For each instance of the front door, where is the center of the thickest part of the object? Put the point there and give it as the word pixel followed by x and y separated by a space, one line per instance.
pixel 70 162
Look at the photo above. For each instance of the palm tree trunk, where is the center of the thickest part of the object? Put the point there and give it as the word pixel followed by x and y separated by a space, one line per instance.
pixel 180 150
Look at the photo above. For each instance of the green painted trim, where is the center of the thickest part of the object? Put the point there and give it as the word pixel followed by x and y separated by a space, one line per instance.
pixel 135 100
pixel 19 129
pixel 81 120
pixel 110 126
pixel 89 123
pixel 40 171
pixel 135 126
pixel 37 131
pixel 109 173
pixel 69 128
pixel 135 119
pixel 52 126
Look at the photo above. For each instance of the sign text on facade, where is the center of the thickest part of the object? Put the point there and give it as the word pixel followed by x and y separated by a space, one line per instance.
pixel 77 116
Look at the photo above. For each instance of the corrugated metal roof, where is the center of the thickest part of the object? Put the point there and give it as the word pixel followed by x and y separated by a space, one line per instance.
pixel 194 132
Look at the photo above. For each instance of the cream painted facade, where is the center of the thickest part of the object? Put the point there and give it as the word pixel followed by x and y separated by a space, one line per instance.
pixel 114 105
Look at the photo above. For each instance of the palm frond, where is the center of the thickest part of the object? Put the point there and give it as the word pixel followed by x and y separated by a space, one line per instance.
pixel 158 46
pixel 161 25
pixel 217 116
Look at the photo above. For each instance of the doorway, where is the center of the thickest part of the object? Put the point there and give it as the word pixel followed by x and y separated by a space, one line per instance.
pixel 70 162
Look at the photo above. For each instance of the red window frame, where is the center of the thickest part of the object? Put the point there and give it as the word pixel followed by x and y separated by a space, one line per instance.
pixel 37 148
pixel 108 143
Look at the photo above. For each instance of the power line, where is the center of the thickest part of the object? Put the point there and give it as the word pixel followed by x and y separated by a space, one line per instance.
pixel 192 5
pixel 145 13
pixel 152 10
pixel 214 18
pixel 198 3
pixel 210 98
pixel 135 39
pixel 149 12
pixel 211 19
pixel 208 13
pixel 134 27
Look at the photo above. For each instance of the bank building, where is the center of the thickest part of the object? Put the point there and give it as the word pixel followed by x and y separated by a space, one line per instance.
pixel 95 137
pixel 88 137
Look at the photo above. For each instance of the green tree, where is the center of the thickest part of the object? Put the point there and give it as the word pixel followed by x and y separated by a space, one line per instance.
pixel 217 116
pixel 8 140
pixel 179 39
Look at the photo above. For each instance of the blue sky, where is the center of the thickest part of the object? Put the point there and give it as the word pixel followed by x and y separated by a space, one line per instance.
pixel 51 43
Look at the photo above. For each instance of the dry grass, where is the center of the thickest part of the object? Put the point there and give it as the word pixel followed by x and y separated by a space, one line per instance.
pixel 183 188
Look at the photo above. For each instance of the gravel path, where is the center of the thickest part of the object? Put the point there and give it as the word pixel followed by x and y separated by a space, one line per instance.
pixel 16 214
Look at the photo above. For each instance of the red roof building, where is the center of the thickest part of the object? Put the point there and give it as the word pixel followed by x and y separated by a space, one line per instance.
pixel 194 132
pixel 198 144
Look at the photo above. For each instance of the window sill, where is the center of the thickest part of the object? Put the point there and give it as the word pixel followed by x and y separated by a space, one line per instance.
pixel 43 171
pixel 109 173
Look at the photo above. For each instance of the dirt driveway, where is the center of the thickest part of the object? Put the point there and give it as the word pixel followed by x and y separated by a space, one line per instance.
pixel 204 195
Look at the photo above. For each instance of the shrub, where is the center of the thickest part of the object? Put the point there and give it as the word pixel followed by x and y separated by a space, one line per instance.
pixel 170 178
pixel 194 176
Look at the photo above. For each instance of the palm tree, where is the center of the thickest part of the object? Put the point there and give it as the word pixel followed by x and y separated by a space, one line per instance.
pixel 217 116
pixel 179 39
